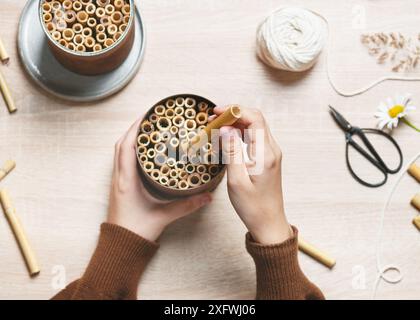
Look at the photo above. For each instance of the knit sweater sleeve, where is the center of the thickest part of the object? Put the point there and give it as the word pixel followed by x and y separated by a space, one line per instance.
pixel 115 268
pixel 279 276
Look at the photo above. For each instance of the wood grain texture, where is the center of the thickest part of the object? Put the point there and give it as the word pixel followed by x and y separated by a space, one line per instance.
pixel 64 154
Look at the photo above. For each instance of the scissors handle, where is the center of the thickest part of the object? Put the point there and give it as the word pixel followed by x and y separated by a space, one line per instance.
pixel 373 157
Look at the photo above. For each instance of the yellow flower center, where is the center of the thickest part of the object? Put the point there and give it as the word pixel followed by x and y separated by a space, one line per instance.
pixel 395 111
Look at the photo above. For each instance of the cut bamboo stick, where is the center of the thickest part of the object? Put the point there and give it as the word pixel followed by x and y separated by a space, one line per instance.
pixel 414 170
pixel 8 166
pixel 415 202
pixel 416 222
pixel 7 95
pixel 27 252
pixel 316 254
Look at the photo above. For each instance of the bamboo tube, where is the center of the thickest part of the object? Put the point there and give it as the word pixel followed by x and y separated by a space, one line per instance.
pixel 415 202
pixel 15 224
pixel 47 17
pixel 109 9
pixel 148 166
pixel 89 42
pixel 178 121
pixel 117 18
pixel 190 103
pixel 108 43
pixel 117 36
pixel 87 32
pixel 202 107
pixel 202 118
pixel 164 170
pixel 171 162
pixel 163 180
pixel 90 9
pixel 414 170
pixel 151 153
pixel 170 104
pixel 55 6
pixel 81 48
pixel 174 130
pixel 194 180
pixel 214 170
pixel 228 118
pixel 71 46
pixel 201 169
pixel 91 23
pixel 112 29
pixel 8 166
pixel 78 39
pixel 316 254
pixel 105 21
pixel 68 35
pixel 118 4
pixel 416 222
pixel 205 178
pixel 182 133
pixel 101 37
pixel 122 27
pixel 172 183
pixel 70 17
pixel 160 147
pixel 174 142
pixel 183 185
pixel 56 35
pixel 190 125
pixel 67 5
pixel 100 12
pixel 126 10
pixel 160 110
pixel 173 174
pixel 126 19
pixel 97 47
pixel 155 174
pixel 183 175
pixel 147 127
pixel 7 96
pixel 164 124
pixel 190 168
pixel 84 2
pixel 190 113
pixel 180 165
pixel 180 102
pixel 50 27
pixel 77 6
pixel 143 158
pixel 46 7
pixel 100 28
pixel 77 28
pixel 141 150
pixel 102 3
pixel 63 43
pixel 143 140
pixel 170 113
pixel 155 137
pixel 61 24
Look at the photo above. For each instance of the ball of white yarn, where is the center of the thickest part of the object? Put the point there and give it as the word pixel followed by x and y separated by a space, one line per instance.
pixel 291 38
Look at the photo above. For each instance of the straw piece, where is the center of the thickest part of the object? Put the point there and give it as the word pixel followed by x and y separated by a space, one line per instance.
pixel 316 254
pixel 414 170
pixel 8 166
pixel 7 95
pixel 415 202
pixel 416 222
pixel 27 252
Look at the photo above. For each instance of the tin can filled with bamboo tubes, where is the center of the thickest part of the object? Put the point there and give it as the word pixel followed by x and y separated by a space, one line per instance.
pixel 89 37
pixel 166 170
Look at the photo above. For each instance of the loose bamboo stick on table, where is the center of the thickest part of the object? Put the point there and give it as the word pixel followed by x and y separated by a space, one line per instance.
pixel 316 254
pixel 19 233
pixel 8 166
pixel 7 95
pixel 4 57
pixel 414 170
pixel 416 201
pixel 416 222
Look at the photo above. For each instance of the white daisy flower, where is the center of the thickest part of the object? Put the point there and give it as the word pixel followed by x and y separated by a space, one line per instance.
pixel 390 112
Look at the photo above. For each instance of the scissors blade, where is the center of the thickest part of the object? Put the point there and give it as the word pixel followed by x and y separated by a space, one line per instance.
pixel 341 121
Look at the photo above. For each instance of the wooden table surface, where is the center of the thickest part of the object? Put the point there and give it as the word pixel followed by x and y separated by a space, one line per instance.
pixel 64 154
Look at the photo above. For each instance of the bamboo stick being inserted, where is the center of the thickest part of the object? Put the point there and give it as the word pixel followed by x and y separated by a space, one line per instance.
pixel 4 57
pixel 316 254
pixel 8 166
pixel 227 118
pixel 7 95
pixel 19 233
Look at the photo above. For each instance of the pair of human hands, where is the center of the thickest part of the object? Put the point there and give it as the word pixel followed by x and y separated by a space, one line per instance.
pixel 257 199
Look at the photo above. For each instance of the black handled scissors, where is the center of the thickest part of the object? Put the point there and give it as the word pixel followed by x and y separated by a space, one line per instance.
pixel 372 156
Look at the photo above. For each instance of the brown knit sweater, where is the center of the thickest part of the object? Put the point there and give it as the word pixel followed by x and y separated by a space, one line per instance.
pixel 121 257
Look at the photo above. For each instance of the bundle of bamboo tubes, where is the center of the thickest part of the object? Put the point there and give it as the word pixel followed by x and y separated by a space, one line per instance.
pixel 86 25
pixel 176 122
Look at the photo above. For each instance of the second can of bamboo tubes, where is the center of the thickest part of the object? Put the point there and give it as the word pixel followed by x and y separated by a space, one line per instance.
pixel 104 59
pixel 188 180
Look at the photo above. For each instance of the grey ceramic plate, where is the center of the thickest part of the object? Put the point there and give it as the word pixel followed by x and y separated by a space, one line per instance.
pixel 54 78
